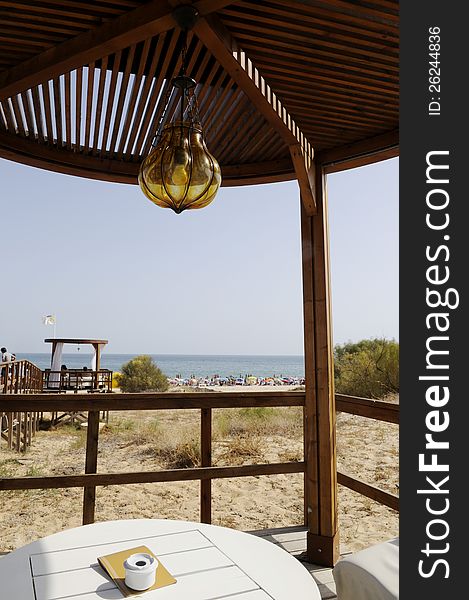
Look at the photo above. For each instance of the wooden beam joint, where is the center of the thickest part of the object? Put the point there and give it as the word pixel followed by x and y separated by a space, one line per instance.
pixel 305 170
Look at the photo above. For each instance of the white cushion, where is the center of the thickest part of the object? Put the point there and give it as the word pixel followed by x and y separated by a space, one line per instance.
pixel 371 574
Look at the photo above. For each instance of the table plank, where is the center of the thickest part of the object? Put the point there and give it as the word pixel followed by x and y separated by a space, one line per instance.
pixel 201 585
pixel 194 561
pixel 78 558
pixel 80 581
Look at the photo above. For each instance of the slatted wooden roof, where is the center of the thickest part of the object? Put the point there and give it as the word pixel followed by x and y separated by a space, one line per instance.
pixel 83 82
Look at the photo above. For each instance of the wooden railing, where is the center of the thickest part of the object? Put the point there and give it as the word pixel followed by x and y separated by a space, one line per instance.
pixel 20 377
pixel 77 379
pixel 380 411
pixel 18 428
pixel 94 403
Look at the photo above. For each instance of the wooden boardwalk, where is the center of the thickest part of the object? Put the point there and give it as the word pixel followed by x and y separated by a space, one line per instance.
pixel 293 540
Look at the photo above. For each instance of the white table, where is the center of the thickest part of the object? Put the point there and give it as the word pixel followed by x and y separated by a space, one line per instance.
pixel 208 562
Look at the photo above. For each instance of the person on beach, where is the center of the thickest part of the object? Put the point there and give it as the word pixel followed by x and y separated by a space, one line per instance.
pixel 7 356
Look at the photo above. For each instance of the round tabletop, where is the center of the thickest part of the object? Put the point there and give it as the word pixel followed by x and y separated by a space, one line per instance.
pixel 207 562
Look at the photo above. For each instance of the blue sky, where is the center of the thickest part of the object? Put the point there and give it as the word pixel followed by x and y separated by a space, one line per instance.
pixel 222 280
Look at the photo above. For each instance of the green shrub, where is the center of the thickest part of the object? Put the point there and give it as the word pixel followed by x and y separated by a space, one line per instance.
pixel 116 378
pixel 141 374
pixel 369 368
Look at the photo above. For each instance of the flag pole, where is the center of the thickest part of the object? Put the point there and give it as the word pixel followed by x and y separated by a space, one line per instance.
pixel 50 320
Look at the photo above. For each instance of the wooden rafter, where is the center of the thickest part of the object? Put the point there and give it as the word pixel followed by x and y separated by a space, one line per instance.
pixel 233 59
pixel 137 25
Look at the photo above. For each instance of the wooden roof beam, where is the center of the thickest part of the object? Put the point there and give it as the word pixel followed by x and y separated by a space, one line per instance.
pixel 23 150
pixel 361 153
pixel 214 35
pixel 130 28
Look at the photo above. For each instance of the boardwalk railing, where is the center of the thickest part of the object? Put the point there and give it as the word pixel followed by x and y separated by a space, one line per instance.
pixel 380 411
pixel 77 379
pixel 18 428
pixel 94 403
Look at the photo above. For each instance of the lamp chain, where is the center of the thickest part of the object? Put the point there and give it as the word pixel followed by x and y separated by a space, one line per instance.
pixel 159 128
pixel 183 74
pixel 189 104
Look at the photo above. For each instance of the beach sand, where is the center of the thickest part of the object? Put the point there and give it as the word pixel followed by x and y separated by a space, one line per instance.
pixel 366 449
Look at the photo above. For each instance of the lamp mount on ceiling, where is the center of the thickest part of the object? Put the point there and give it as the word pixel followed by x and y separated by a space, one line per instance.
pixel 185 16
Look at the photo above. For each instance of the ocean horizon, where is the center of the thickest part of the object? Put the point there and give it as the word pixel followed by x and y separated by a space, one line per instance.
pixel 186 365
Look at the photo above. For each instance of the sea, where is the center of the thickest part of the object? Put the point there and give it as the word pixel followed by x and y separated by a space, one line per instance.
pixel 187 365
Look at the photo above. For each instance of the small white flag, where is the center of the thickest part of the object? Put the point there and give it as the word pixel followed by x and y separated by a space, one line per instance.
pixel 49 320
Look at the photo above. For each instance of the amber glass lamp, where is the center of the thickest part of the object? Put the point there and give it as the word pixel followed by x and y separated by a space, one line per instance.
pixel 179 172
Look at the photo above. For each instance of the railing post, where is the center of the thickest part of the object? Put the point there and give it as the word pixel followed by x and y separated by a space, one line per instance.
pixel 24 433
pixel 91 464
pixel 15 370
pixel 19 417
pixel 30 428
pixel 10 416
pixel 206 461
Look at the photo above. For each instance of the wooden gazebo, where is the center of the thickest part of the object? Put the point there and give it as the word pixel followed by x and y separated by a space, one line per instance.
pixel 97 345
pixel 73 379
pixel 288 89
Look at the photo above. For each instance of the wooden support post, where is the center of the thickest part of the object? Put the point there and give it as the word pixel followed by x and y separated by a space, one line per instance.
pixel 309 412
pixel 19 419
pixel 206 461
pixel 320 446
pixel 15 370
pixel 97 366
pixel 89 495
pixel 30 428
pixel 26 431
pixel 10 417
pixel 22 432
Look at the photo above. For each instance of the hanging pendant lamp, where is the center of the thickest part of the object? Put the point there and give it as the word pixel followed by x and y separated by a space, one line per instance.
pixel 179 172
